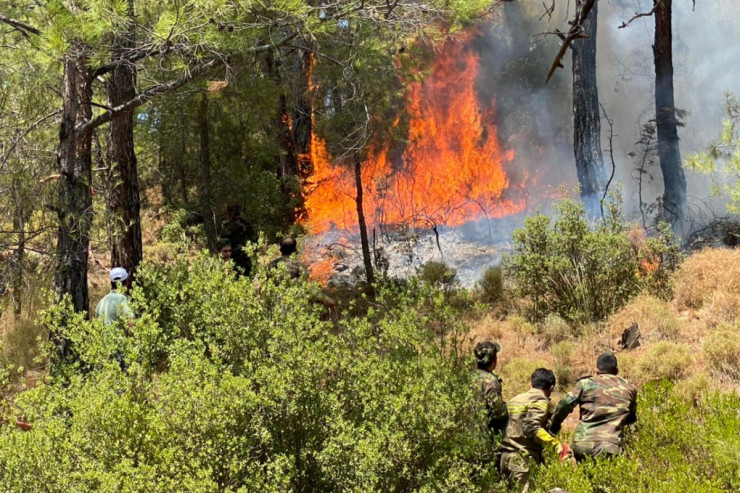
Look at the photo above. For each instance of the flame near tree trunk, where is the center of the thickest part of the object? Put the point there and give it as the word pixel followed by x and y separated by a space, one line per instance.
pixel 451 172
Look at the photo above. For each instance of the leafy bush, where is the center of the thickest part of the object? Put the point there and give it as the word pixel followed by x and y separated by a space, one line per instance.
pixel 437 273
pixel 662 360
pixel 581 273
pixel 517 375
pixel 491 285
pixel 230 387
pixel 721 350
pixel 556 329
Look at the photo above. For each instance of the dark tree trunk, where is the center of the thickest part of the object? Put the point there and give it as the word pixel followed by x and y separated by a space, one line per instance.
pixel 74 206
pixel 674 180
pixel 302 124
pixel 364 240
pixel 288 155
pixel 587 117
pixel 124 202
pixel 206 195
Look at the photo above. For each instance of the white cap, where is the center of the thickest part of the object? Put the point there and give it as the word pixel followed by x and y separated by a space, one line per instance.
pixel 118 274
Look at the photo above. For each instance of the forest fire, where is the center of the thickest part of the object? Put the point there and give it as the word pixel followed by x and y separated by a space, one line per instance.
pixel 451 172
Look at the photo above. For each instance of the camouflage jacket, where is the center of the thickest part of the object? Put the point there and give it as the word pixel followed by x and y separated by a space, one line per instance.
pixel 489 386
pixel 293 267
pixel 525 430
pixel 608 403
pixel 239 232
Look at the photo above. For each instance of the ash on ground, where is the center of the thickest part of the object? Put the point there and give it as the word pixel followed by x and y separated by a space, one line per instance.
pixel 336 257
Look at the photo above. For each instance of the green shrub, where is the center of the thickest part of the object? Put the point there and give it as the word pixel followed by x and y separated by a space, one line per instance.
pixel 563 354
pixel 517 374
pixel 521 326
pixel 662 360
pixel 582 273
pixel 437 273
pixel 721 350
pixel 556 329
pixel 491 285
pixel 233 389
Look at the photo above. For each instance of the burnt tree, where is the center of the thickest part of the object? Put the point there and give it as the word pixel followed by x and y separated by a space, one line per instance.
pixel 364 239
pixel 74 160
pixel 674 180
pixel 206 195
pixel 586 114
pixel 124 201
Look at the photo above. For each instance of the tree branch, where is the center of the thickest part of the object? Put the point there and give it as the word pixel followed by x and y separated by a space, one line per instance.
pixel 167 87
pixel 638 15
pixel 22 27
pixel 575 32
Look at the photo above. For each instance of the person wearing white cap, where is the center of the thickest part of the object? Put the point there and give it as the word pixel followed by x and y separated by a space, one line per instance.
pixel 114 305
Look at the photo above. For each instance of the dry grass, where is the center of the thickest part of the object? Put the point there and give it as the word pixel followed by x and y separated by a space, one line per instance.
pixel 706 274
pixel 655 318
pixel 662 360
pixel 721 350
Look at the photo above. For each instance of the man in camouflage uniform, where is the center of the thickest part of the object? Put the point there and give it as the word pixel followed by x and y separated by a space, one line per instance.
pixel 239 232
pixel 489 384
pixel 295 269
pixel 526 432
pixel 608 404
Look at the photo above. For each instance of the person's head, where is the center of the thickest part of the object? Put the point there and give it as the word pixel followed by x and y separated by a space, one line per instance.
pixel 607 364
pixel 118 276
pixel 223 248
pixel 544 380
pixel 233 210
pixel 288 247
pixel 486 355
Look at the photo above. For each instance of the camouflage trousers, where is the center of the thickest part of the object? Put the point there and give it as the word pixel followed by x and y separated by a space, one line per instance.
pixel 517 467
pixel 584 450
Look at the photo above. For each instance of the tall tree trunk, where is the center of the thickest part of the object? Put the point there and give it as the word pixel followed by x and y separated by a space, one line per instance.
pixel 587 117
pixel 674 180
pixel 20 219
pixel 124 201
pixel 74 206
pixel 364 240
pixel 302 124
pixel 206 196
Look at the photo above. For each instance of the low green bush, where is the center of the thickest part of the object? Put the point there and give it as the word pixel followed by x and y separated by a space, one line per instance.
pixel 662 360
pixel 582 272
pixel 437 273
pixel 491 285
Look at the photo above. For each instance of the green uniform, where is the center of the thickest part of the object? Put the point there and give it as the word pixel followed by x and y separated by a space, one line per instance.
pixel 295 269
pixel 113 307
pixel 608 403
pixel 239 232
pixel 489 385
pixel 525 435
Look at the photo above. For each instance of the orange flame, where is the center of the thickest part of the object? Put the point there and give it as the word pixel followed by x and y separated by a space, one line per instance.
pixel 451 171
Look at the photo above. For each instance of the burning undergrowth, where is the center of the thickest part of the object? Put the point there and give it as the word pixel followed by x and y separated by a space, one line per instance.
pixel 453 171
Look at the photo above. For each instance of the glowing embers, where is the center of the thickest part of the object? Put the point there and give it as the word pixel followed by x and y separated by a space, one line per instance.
pixel 451 171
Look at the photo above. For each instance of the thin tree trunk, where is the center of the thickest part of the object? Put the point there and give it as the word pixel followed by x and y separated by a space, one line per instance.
pixel 74 206
pixel 206 196
pixel 674 180
pixel 364 240
pixel 124 200
pixel 587 117
pixel 20 219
